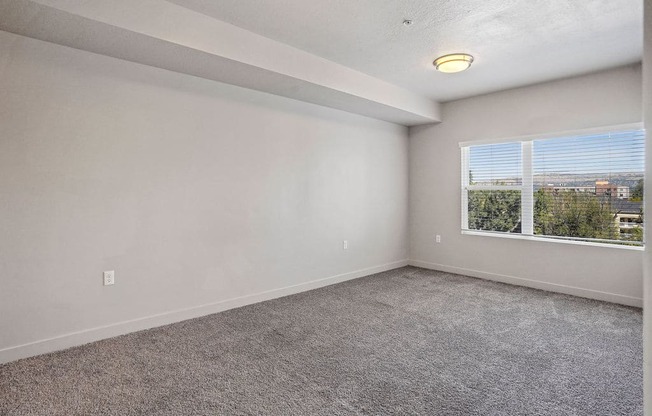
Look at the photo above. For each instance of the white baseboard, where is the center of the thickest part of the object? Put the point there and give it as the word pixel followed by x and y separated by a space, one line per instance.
pixel 95 334
pixel 537 284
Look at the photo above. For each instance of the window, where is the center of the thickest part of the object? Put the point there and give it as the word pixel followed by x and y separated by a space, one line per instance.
pixel 582 187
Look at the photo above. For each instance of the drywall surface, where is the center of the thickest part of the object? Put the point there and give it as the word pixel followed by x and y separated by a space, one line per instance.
pixel 168 36
pixel 601 99
pixel 647 265
pixel 196 193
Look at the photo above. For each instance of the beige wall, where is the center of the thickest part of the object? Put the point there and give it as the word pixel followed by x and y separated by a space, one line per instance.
pixel 194 192
pixel 601 99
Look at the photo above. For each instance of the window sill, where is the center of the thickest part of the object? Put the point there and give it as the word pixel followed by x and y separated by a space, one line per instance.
pixel 551 240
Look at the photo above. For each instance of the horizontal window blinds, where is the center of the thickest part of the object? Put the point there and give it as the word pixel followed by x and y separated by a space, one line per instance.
pixel 495 164
pixel 583 187
pixel 494 187
pixel 590 186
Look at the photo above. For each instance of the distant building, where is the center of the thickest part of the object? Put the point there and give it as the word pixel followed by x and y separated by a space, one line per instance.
pixel 604 188
pixel 627 215
pixel 601 188
pixel 556 189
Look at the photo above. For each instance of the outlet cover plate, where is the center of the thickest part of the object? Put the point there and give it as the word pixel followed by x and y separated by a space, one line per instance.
pixel 109 278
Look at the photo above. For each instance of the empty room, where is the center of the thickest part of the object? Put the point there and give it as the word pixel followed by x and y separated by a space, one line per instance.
pixel 298 207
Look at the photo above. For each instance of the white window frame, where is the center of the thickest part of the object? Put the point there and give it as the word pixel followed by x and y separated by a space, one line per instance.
pixel 527 187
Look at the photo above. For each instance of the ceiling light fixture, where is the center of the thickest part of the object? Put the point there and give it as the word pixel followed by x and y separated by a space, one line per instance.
pixel 455 62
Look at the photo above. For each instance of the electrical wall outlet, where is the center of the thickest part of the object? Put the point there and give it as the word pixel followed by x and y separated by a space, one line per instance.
pixel 109 278
pixel 345 244
pixel 437 238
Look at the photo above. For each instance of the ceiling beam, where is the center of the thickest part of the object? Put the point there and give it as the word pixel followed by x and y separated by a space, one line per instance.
pixel 168 36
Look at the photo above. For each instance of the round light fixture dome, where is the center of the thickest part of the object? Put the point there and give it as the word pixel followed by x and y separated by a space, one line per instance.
pixel 455 62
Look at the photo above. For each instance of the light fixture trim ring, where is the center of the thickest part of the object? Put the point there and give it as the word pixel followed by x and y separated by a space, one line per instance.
pixel 457 61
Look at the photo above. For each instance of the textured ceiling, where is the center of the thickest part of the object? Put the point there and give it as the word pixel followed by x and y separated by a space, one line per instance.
pixel 515 42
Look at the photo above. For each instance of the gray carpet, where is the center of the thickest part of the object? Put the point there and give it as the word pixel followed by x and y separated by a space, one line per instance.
pixel 409 341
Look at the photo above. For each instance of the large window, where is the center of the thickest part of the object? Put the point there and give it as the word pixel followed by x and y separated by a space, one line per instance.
pixel 583 187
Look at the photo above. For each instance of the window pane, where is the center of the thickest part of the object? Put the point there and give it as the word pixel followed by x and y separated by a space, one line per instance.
pixel 590 187
pixel 495 164
pixel 495 211
pixel 568 213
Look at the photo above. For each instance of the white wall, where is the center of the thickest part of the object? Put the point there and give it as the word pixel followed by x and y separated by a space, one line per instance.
pixel 606 98
pixel 194 192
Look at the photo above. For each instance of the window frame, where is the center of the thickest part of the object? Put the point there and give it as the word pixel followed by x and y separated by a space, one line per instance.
pixel 527 187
